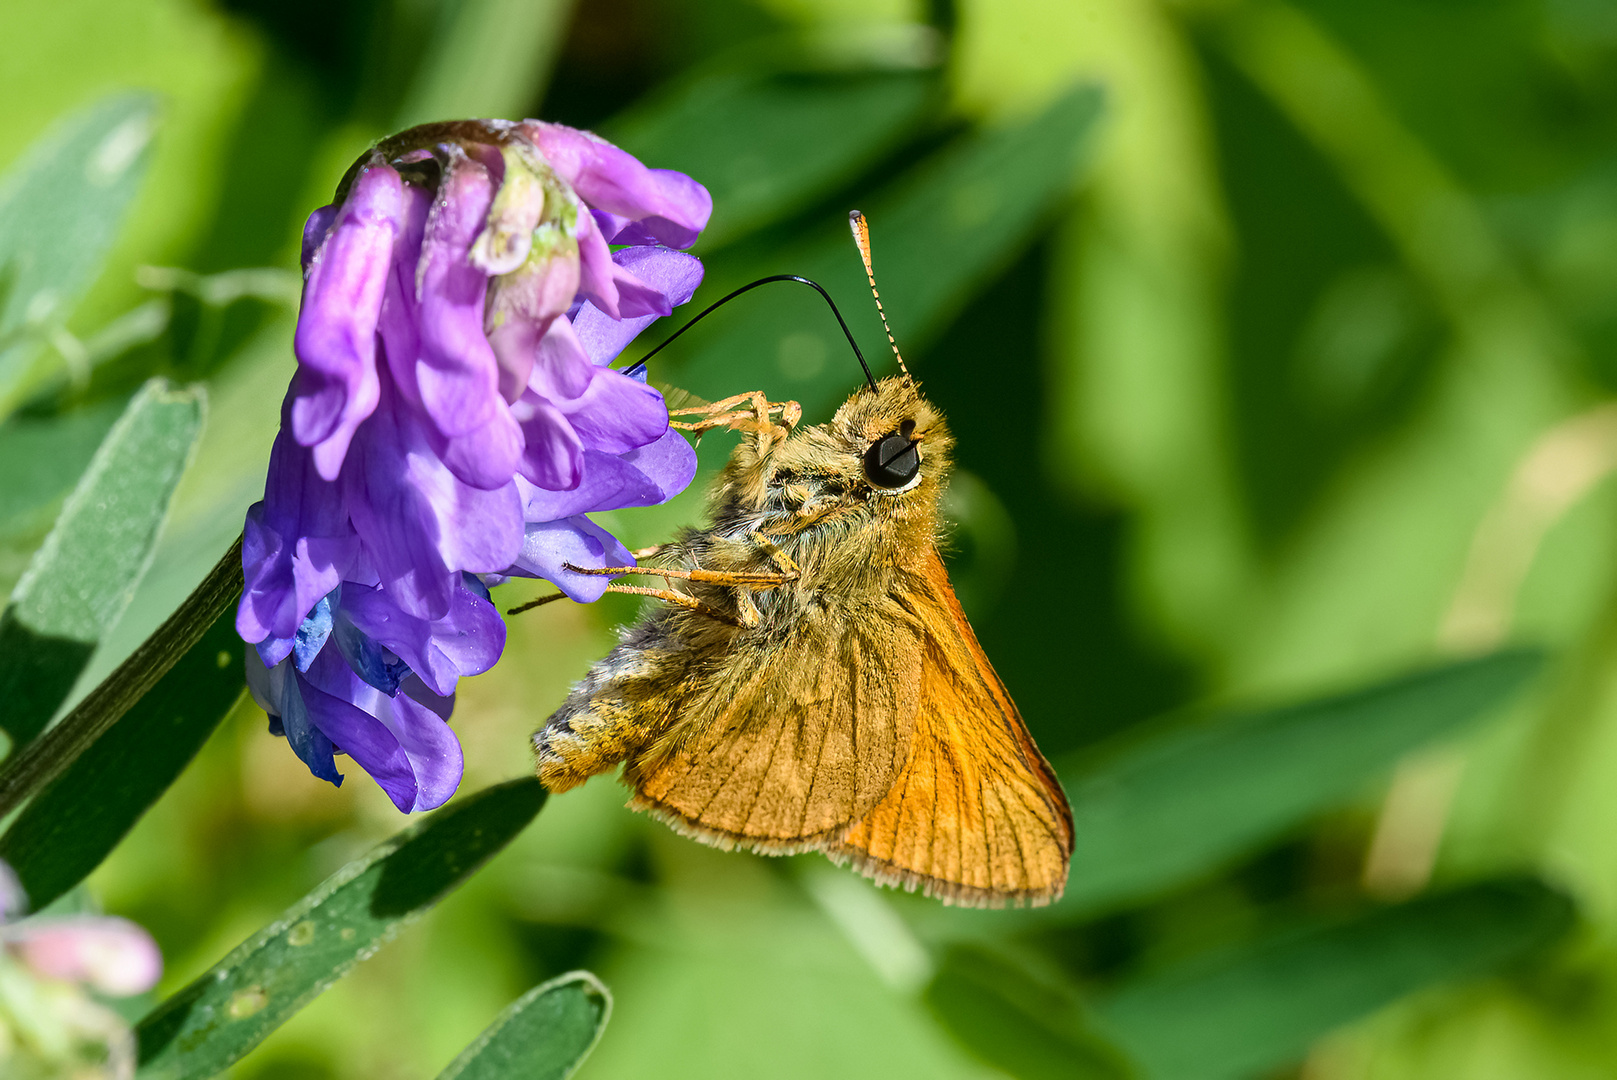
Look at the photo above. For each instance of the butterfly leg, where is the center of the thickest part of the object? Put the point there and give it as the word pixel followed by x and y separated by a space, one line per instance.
pixel 679 599
pixel 760 579
pixel 756 417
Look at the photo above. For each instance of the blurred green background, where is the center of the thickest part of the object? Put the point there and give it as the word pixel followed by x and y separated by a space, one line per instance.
pixel 1280 340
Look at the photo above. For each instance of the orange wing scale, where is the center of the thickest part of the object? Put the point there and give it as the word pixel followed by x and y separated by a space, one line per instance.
pixel 976 816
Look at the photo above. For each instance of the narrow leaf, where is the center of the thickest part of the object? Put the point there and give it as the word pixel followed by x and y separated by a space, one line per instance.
pixel 1032 1027
pixel 1259 1006
pixel 229 1010
pixel 80 581
pixel 61 207
pixel 73 824
pixel 543 1035
pixel 939 233
pixel 1185 801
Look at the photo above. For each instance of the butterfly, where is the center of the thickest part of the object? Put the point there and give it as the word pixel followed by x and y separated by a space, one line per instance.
pixel 810 682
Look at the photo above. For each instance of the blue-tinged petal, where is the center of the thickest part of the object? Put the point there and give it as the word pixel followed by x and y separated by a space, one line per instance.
pixel 550 547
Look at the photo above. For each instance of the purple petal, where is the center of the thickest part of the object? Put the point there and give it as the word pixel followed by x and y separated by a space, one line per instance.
pixel 670 206
pixel 548 548
pixel 362 737
pixel 400 317
pixel 646 476
pixel 296 545
pixel 406 748
pixel 467 641
pixel 457 372
pixel 418 523
pixel 417 691
pixel 335 386
pixel 486 456
pixel 617 413
pixel 553 455
pixel 672 273
pixel 279 691
pixel 562 367
pixel 314 231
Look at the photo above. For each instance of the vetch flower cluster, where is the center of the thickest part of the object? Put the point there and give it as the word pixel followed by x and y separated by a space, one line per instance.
pixel 451 422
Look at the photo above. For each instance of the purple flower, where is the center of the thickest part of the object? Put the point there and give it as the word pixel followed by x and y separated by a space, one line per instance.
pixel 451 423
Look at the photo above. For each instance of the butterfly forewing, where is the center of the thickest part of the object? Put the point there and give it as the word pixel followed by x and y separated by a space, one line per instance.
pixel 975 816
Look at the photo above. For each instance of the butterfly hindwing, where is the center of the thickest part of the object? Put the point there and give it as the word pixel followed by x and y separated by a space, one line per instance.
pixel 975 816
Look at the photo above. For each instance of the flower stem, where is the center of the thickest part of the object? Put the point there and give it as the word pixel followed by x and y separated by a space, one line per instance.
pixel 42 760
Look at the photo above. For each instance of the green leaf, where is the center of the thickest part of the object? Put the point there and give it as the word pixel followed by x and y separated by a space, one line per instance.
pixel 1023 1021
pixel 939 234
pixel 765 143
pixel 1180 803
pixel 543 1035
pixel 1259 1006
pixel 80 581
pixel 230 1009
pixel 60 211
pixel 73 824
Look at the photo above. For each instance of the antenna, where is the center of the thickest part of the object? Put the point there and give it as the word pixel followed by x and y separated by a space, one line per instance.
pixel 861 236
pixel 640 365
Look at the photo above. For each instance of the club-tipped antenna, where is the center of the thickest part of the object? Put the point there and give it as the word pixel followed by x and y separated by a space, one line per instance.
pixel 640 365
pixel 861 236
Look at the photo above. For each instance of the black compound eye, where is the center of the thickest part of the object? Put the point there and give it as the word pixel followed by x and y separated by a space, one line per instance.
pixel 893 460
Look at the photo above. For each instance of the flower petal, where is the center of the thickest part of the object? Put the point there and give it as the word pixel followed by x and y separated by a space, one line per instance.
pixel 466 641
pixel 669 206
pixel 646 476
pixel 335 386
pixel 562 368
pixel 296 545
pixel 406 748
pixel 549 547
pixel 111 955
pixel 553 456
pixel 457 372
pixel 279 691
pixel 617 413
pixel 673 274
pixel 419 524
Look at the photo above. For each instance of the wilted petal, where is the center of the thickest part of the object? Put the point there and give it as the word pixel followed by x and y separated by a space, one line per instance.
pixel 335 385
pixel 111 955
pixel 645 476
pixel 669 206
pixel 550 547
pixel 673 274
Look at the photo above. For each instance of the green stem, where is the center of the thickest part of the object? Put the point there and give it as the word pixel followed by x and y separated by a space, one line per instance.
pixel 42 760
